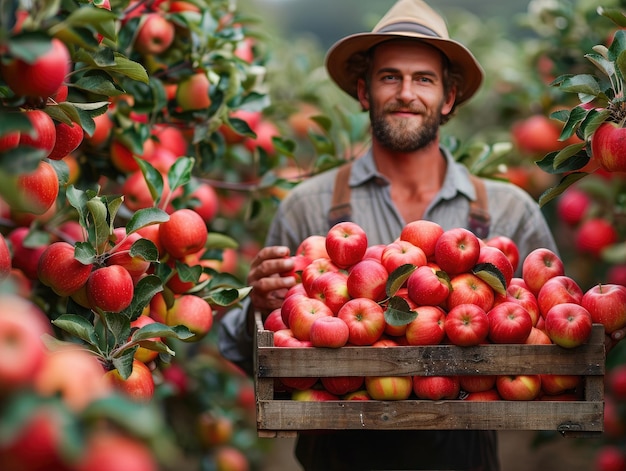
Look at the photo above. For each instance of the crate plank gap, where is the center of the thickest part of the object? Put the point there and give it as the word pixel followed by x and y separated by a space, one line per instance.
pixel 283 417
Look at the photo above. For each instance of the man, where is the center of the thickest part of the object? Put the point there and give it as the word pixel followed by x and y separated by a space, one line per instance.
pixel 410 77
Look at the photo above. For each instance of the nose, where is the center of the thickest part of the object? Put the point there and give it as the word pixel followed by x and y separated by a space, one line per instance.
pixel 406 93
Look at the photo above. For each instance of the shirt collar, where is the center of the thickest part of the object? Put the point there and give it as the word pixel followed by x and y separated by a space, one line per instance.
pixel 456 179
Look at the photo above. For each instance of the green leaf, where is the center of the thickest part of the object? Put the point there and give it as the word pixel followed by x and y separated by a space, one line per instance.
pixel 146 217
pixel 119 325
pixel 564 154
pixel 29 46
pixel 124 363
pixel 593 121
pixel 188 273
pixel 618 45
pixel 145 289
pixel 555 191
pixel 572 123
pixel 99 215
pixel 228 296
pixel 614 254
pixel 156 329
pixel 491 275
pixel 398 312
pixel 145 249
pixel 13 121
pixel 85 253
pixel 78 327
pixel 583 83
pixel 614 14
pixel 98 82
pixel 157 346
pixel 564 161
pixel 602 63
pixel 125 66
pixel 216 240
pixel 398 277
pixel 179 174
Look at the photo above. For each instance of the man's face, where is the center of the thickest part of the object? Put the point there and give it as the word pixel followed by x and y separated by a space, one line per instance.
pixel 405 96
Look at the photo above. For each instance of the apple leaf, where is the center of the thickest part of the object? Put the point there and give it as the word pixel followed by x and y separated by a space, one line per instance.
pixel 99 217
pixel 569 159
pixel 124 362
pixel 398 312
pixel 398 277
pixel 156 329
pixel 179 174
pixel 217 240
pixel 491 275
pixel 85 253
pixel 146 217
pixel 227 296
pixel 144 249
pixel 555 191
pixel 145 290
pixel 615 254
pixel 157 346
pixel 77 326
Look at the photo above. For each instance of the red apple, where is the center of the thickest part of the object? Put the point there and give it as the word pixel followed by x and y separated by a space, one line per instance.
pixel 400 253
pixel 346 243
pixel 496 257
pixel 423 234
pixel 172 138
pixel 436 388
pixel 139 386
pixel 42 77
pixel 26 252
pixel 360 395
pixel 518 387
pixel 467 288
pixel 519 294
pixel 610 458
pixel 558 290
pixel 428 328
pixel 572 206
pixel 606 147
pixel 607 305
pixel 110 288
pixel 60 270
pixel 457 250
pixel 616 381
pixel 477 383
pixel 315 269
pixel 539 266
pixel 265 131
pixel 155 34
pixel 5 259
pixel 509 322
pixel 367 279
pixel 120 253
pixel 130 453
pixel 35 192
pixel 103 127
pixel 43 134
pixel 594 235
pixel 365 319
pixel 508 246
pixel 143 354
pixel 538 337
pixel 374 252
pixel 285 338
pixel 330 332
pixel 331 288
pixel 537 134
pixel 274 321
pixel 304 313
pixel 568 324
pixel 183 234
pixel 298 383
pixel 9 140
pixel 389 388
pixel 207 202
pixel 193 92
pixel 489 395
pixel 313 395
pixel 467 325
pixel 251 118
pixel 193 312
pixel 313 247
pixel 341 385
pixel 428 285
pixel 559 384
pixel 68 138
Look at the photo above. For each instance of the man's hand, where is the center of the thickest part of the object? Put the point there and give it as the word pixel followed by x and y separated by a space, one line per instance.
pixel 614 338
pixel 268 286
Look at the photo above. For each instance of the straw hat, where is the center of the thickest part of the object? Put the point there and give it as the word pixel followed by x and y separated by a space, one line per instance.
pixel 406 19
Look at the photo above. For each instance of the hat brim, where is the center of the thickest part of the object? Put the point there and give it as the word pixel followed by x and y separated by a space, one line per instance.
pixel 458 55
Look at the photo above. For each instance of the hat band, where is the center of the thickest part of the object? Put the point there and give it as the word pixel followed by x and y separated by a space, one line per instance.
pixel 408 27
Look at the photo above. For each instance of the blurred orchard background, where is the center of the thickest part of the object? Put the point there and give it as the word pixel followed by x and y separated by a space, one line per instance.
pixel 217 108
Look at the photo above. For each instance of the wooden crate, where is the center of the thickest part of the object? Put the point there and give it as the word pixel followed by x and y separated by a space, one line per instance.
pixel 280 416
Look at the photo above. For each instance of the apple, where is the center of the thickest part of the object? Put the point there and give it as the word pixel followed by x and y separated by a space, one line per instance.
pixel 423 234
pixel 251 118
pixel 75 375
pixel 155 35
pixel 265 131
pixel 274 321
pixel 616 274
pixel 606 144
pixel 313 395
pixel 508 246
pixel 289 303
pixel 214 429
pixel 572 206
pixel 245 50
pixel 301 121
pixel 536 134
pixel 428 285
pixel 130 453
pixel 477 383
pixel 193 312
pixel 609 457
pixel 313 247
pixel 436 388
pixel 68 138
pixel 346 243
pixel 304 313
pixel 102 132
pixel 193 92
pixel 616 382
pixel 172 138
pixel 285 338
pixel 557 290
pixel 467 325
pixel 360 395
pixel 5 259
pixel 594 235
pixel 26 253
pixel 143 354
pixel 518 387
pixel 509 322
pixel 400 253
pixel 43 134
pixel 607 305
pixel 42 77
pixel 231 458
pixel 496 257
pixel 614 425
pixel 137 194
pixel 342 385
pixel 34 192
pixel 314 269
pixel 139 386
pixel 331 288
pixel 428 328
pixel 519 294
pixel 467 288
pixel 365 319
pixel 538 337
pixel 367 279
pixel 120 253
pixel 183 234
pixel 568 324
pixel 110 288
pixel 457 250
pixel 207 202
pixel 553 384
pixel 329 332
pixel 123 158
pixel 374 252
pixel 9 140
pixel 22 324
pixel 539 266
pixel 389 388
pixel 489 395
pixel 60 270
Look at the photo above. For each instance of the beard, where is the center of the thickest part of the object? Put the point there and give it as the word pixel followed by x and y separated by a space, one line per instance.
pixel 404 135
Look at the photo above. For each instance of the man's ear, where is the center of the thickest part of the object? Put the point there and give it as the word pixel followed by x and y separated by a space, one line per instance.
pixel 363 94
pixel 448 105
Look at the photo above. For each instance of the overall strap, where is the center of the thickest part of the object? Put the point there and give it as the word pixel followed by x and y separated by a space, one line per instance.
pixel 479 218
pixel 340 209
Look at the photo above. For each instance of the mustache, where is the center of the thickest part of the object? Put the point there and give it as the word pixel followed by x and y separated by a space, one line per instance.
pixel 403 108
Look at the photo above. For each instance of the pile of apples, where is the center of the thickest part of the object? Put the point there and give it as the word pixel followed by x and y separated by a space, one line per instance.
pixel 433 286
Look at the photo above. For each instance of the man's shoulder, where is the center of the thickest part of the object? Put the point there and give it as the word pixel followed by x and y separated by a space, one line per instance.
pixel 320 183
